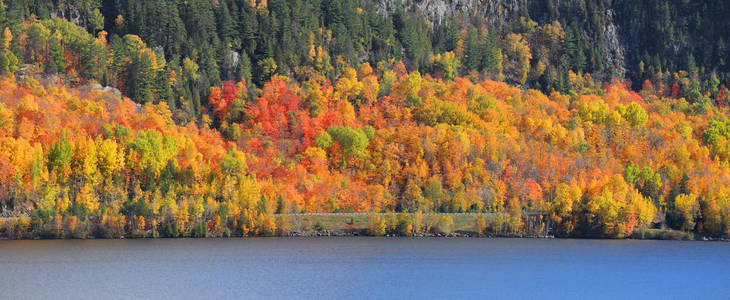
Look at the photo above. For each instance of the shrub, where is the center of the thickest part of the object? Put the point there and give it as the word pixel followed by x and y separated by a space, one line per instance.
pixel 376 225
pixel 444 226
pixel 404 226
pixel 480 225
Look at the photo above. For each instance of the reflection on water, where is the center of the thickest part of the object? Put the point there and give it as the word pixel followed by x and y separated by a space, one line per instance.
pixel 377 268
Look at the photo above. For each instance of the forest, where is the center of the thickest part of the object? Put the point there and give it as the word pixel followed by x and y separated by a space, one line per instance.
pixel 210 118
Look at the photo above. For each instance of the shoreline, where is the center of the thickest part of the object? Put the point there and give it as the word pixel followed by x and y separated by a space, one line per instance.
pixel 465 225
pixel 339 234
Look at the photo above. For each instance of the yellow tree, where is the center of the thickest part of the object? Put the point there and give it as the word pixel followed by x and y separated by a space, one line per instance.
pixel 518 56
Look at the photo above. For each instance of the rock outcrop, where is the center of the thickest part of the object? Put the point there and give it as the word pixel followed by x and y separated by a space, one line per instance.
pixel 499 13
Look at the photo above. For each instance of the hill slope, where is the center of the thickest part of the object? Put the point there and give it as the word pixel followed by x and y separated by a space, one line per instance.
pixel 378 140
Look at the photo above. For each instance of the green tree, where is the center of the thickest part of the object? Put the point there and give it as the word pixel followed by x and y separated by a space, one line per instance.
pixel 59 155
pixel 96 20
pixel 143 77
pixel 56 63
pixel 352 141
pixel 448 64
pixel 323 140
pixel 492 54
pixel 267 68
pixel 634 114
pixel 8 61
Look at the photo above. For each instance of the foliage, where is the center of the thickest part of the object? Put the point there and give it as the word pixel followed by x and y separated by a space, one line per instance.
pixel 229 122
pixel 376 225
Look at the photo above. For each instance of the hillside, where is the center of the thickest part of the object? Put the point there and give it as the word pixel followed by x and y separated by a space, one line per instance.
pixel 376 140
pixel 206 118
pixel 523 42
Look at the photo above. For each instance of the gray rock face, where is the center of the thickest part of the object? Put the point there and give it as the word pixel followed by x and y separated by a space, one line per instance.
pixel 614 49
pixel 72 14
pixel 498 13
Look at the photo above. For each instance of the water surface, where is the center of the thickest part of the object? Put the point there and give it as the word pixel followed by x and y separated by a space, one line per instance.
pixel 364 268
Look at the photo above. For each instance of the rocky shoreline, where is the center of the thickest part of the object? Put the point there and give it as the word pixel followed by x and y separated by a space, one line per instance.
pixel 465 234
pixel 327 233
pixel 336 234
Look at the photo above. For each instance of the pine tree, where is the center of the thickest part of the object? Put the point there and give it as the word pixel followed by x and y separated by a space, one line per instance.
pixel 144 75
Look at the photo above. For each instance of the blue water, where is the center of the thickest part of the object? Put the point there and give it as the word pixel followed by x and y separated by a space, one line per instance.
pixel 364 268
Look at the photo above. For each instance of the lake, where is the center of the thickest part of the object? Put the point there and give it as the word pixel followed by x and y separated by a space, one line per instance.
pixel 364 268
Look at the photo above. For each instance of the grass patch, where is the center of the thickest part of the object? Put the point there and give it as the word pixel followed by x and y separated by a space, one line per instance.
pixel 662 234
pixel 309 224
